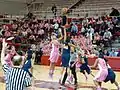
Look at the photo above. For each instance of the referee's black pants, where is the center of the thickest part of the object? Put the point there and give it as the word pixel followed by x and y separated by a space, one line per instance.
pixel 73 71
pixel 65 76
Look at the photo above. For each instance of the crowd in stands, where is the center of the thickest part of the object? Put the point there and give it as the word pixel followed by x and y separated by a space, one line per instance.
pixel 94 35
pixel 97 33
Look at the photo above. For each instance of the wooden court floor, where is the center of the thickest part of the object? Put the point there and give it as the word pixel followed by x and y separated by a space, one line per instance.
pixel 43 82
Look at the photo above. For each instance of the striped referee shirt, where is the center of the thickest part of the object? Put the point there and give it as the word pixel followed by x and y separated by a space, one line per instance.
pixel 16 78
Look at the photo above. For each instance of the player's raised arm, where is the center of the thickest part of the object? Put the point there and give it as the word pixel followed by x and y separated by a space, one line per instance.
pixel 65 34
pixel 4 45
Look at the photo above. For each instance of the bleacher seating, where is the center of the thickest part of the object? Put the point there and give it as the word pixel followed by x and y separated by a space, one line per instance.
pixel 93 7
pixel 43 8
pixel 12 6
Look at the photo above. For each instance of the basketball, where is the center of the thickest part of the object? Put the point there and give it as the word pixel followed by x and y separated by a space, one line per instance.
pixel 65 10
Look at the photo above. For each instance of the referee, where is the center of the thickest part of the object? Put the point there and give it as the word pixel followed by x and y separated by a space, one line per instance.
pixel 15 77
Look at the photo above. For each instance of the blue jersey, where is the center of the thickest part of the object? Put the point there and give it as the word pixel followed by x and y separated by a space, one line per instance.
pixel 29 52
pixel 27 65
pixel 84 67
pixel 66 57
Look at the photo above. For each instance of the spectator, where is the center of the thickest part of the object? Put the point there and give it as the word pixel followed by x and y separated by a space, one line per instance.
pixel 84 30
pixel 2 30
pixel 74 29
pixel 30 15
pixel 35 30
pixel 88 43
pixel 107 38
pixel 113 53
pixel 59 19
pixel 56 26
pixel 41 33
pixel 17 38
pixel 97 39
pixel 105 53
pixel 14 27
pixel 7 33
pixel 54 9
pixel 24 33
pixel 95 52
pixel 85 22
pixel 33 47
pixel 91 32
pixel 114 12
pixel 118 53
pixel 32 39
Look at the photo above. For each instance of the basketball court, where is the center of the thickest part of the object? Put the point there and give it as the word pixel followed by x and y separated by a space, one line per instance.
pixel 43 82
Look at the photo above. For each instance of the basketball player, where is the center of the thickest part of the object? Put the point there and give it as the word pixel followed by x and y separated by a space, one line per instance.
pixel 111 76
pixel 54 55
pixel 102 73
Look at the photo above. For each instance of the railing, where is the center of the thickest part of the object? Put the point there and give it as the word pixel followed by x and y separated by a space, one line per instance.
pixel 113 61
